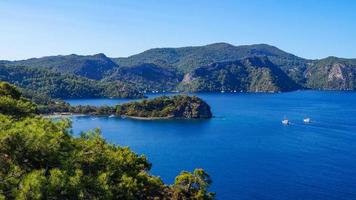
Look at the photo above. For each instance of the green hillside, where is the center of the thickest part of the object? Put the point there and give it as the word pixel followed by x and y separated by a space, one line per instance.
pixel 93 67
pixel 169 69
pixel 148 77
pixel 186 59
pixel 255 74
pixel 41 159
pixel 332 74
pixel 58 85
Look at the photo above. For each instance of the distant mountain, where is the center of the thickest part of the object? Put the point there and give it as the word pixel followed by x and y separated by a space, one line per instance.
pixel 331 74
pixel 38 81
pixel 93 67
pixel 186 59
pixel 254 74
pixel 214 67
pixel 148 77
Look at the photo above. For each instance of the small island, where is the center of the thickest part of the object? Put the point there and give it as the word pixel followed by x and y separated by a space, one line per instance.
pixel 166 107
pixel 163 107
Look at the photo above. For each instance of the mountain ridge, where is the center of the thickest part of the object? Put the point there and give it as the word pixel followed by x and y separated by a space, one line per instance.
pixel 73 63
pixel 170 69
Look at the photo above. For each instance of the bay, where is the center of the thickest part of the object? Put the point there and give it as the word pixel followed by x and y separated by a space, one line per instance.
pixel 245 147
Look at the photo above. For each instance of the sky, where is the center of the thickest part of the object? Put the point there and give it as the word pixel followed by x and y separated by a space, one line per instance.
pixel 307 28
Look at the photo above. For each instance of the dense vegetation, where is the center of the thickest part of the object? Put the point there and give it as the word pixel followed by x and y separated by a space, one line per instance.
pixel 308 74
pixel 178 106
pixel 148 77
pixel 44 82
pixel 332 74
pixel 40 159
pixel 12 103
pixel 170 69
pixel 187 59
pixel 255 74
pixel 92 67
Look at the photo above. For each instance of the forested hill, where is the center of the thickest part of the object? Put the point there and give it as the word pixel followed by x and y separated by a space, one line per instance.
pixel 166 107
pixel 214 67
pixel 41 159
pixel 93 67
pixel 37 81
pixel 253 74
pixel 186 59
pixel 306 73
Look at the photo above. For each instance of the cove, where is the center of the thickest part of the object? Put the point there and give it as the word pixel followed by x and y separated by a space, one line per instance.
pixel 245 148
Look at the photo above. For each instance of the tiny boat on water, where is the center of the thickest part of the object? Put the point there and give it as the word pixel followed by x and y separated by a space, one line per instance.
pixel 111 116
pixel 285 121
pixel 307 120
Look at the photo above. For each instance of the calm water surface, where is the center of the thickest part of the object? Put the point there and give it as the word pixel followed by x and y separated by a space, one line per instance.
pixel 246 149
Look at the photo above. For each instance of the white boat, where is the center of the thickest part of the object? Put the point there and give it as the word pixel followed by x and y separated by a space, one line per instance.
pixel 307 120
pixel 111 116
pixel 285 121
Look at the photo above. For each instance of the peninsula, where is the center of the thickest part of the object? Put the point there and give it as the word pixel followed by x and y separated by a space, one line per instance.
pixel 166 107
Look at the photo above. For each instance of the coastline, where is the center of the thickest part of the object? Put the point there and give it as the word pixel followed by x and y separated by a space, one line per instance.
pixel 67 115
pixel 147 118
pixel 61 115
pixel 56 115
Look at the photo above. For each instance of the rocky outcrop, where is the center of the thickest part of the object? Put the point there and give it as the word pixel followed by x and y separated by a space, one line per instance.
pixel 331 74
pixel 191 108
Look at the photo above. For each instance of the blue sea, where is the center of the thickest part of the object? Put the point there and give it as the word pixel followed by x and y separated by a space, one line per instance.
pixel 245 148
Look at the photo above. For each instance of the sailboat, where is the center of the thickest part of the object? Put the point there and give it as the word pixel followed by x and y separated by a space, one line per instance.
pixel 307 120
pixel 285 121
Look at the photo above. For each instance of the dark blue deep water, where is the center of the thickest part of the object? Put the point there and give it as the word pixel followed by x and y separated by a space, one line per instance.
pixel 246 149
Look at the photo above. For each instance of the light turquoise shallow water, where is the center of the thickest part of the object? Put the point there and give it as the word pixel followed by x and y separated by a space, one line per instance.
pixel 246 149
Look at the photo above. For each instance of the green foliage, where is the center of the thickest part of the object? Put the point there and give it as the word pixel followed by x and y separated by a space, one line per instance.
pixel 42 82
pixel 302 73
pixel 50 163
pixel 40 159
pixel 13 107
pixel 187 59
pixel 256 74
pixel 332 74
pixel 148 77
pixel 178 106
pixel 164 68
pixel 7 89
pixel 12 103
pixel 192 185
pixel 92 67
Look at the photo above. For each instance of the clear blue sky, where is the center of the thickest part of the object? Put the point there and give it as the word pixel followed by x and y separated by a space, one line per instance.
pixel 307 28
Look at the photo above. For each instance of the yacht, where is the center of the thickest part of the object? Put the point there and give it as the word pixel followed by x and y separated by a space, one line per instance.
pixel 307 120
pixel 285 121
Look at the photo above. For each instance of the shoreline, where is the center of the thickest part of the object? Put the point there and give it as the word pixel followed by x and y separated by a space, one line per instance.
pixel 56 115
pixel 121 116
pixel 147 118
